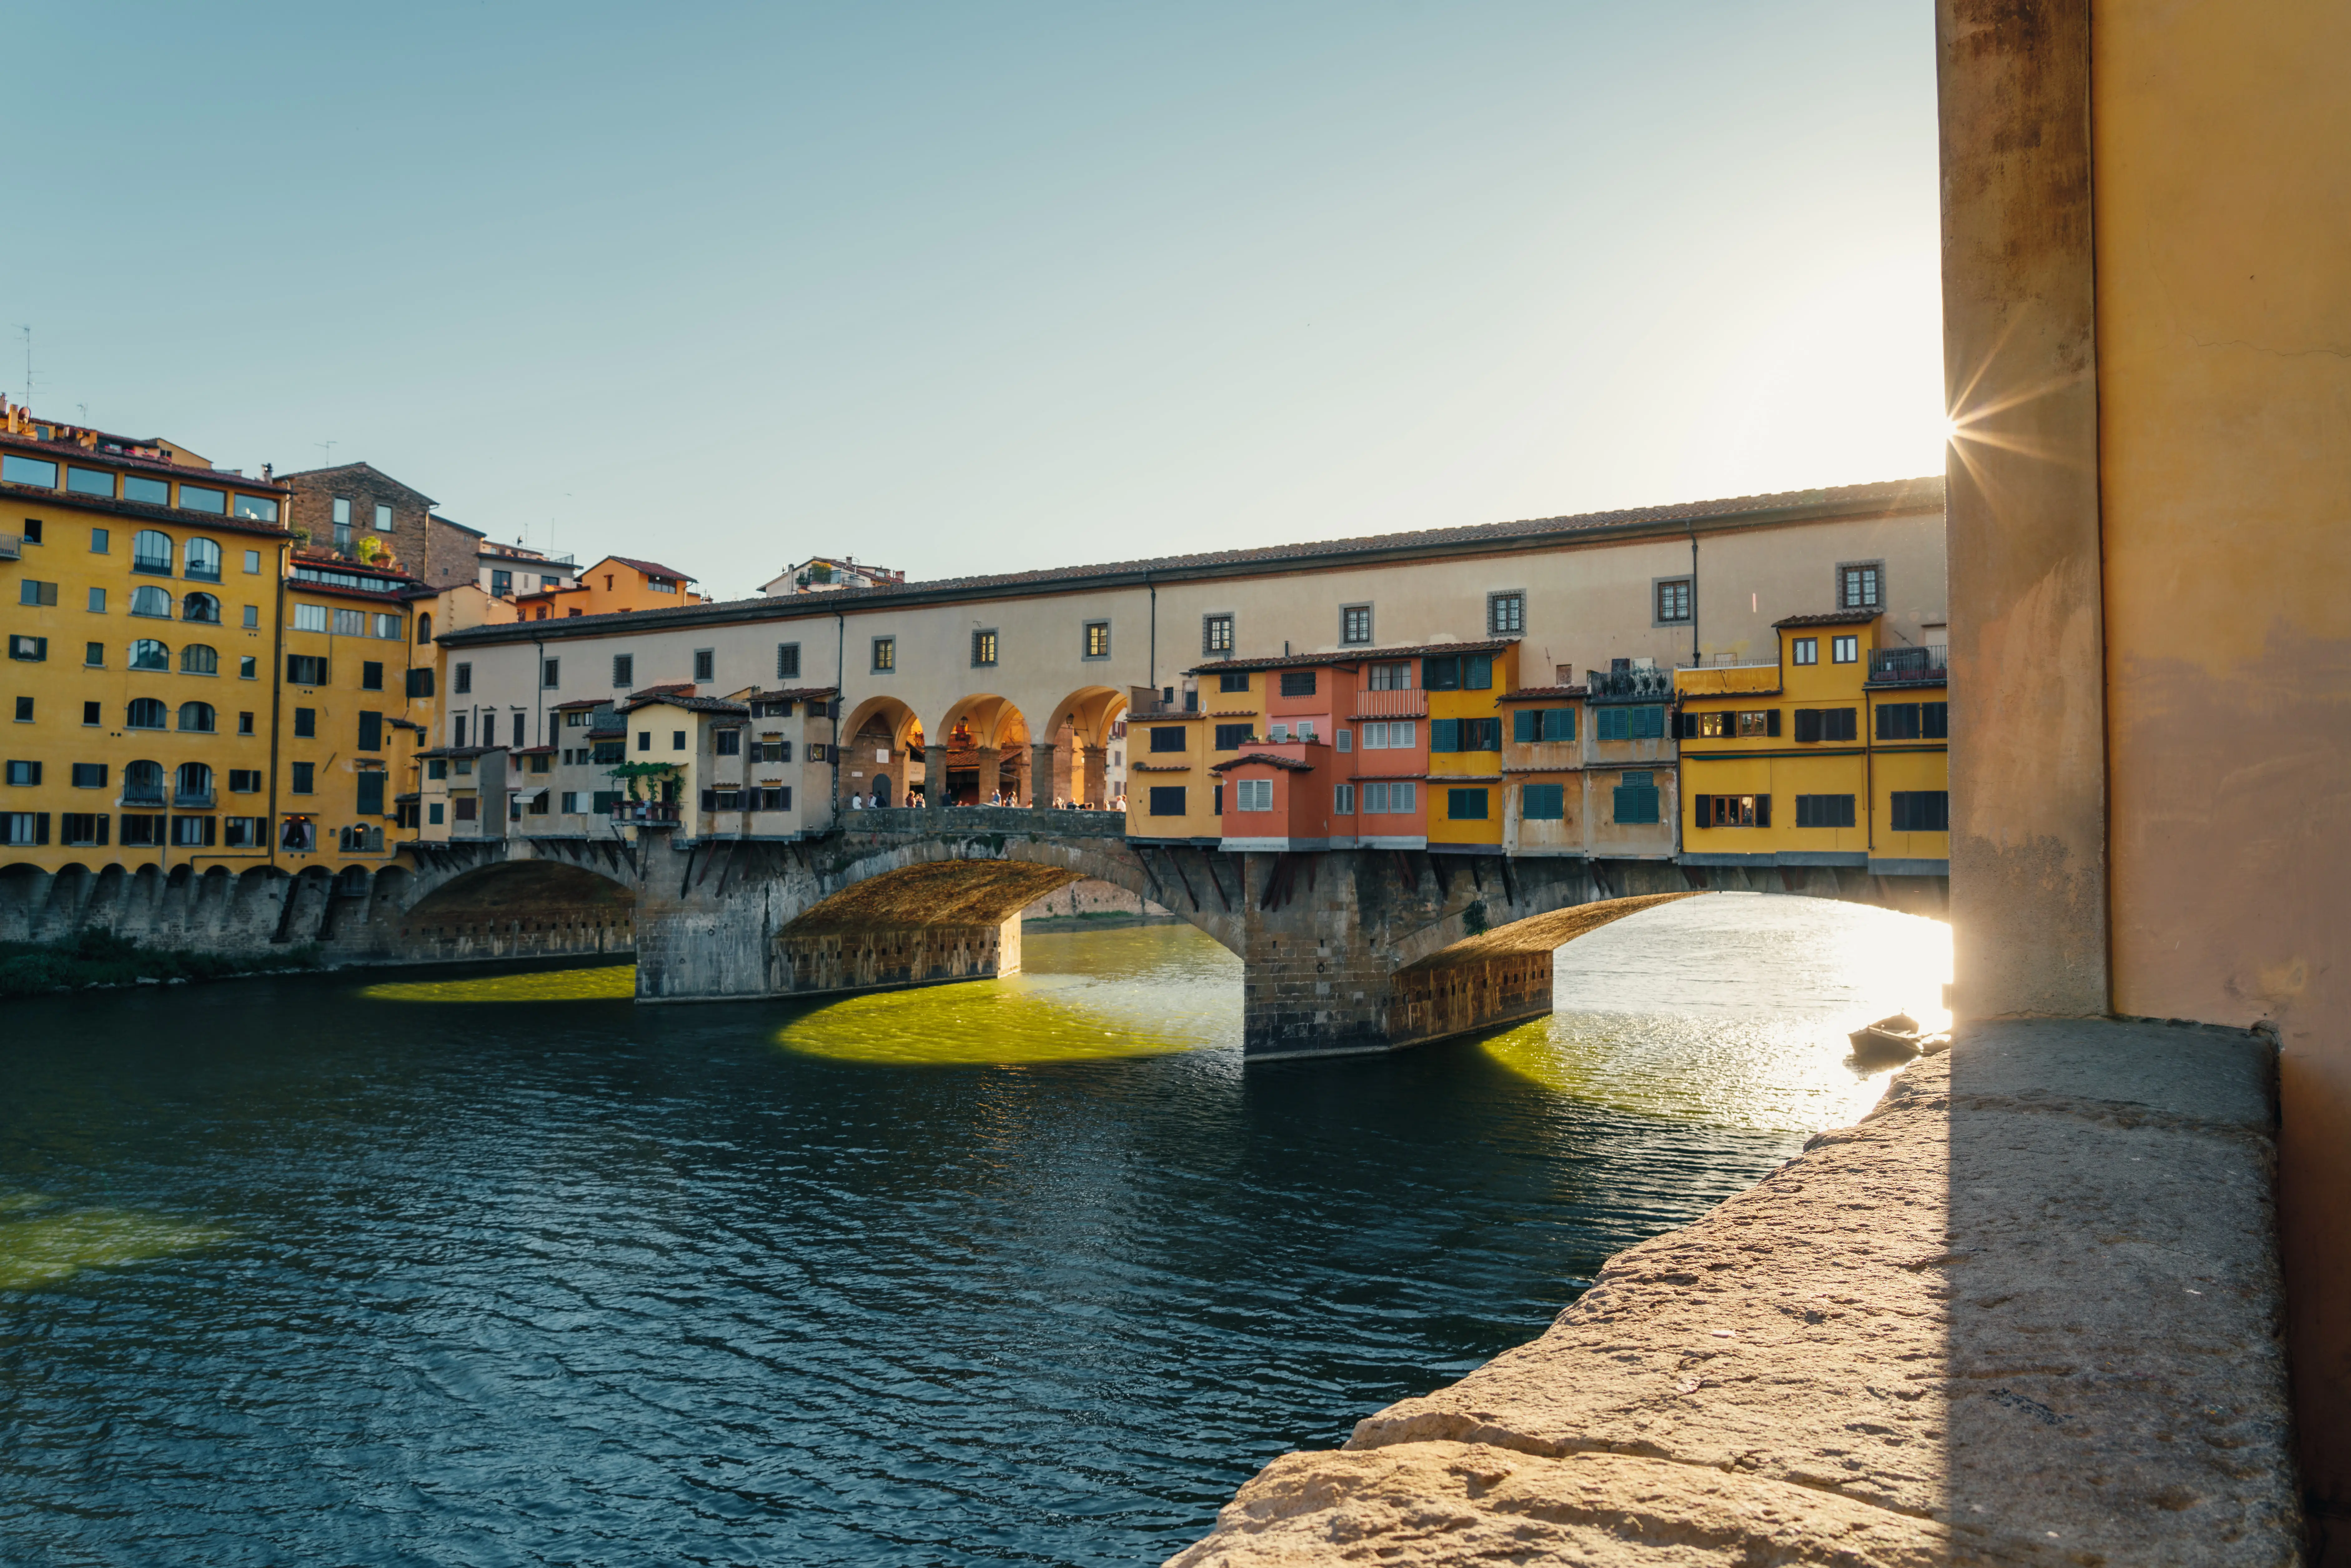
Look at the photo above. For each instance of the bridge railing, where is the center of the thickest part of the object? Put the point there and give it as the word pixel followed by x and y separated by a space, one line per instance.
pixel 981 820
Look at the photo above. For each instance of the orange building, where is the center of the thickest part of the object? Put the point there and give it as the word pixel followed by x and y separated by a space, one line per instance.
pixel 613 585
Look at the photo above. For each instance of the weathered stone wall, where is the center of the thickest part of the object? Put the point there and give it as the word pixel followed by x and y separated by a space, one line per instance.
pixel 2027 1312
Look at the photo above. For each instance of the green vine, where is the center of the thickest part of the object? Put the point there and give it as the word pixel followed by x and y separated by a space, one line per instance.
pixel 632 771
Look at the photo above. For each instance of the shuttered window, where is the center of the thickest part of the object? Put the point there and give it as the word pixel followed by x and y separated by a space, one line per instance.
pixel 1253 794
pixel 1168 800
pixel 1542 802
pixel 1229 736
pixel 1825 811
pixel 370 732
pixel 1935 721
pixel 1169 738
pixel 370 801
pixel 1465 805
pixel 1530 725
pixel 787 661
pixel 1922 811
pixel 1898 721
pixel 1636 800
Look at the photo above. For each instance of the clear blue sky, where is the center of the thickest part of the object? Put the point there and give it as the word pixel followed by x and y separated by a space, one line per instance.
pixel 979 287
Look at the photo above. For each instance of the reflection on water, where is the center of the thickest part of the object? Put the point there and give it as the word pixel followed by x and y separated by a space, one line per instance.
pixel 1137 991
pixel 395 1277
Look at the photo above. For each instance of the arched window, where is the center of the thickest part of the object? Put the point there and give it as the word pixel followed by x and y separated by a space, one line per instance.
pixel 149 654
pixel 143 783
pixel 197 717
pixel 146 713
pixel 203 560
pixel 149 599
pixel 196 659
pixel 424 628
pixel 193 785
pixel 151 551
pixel 201 607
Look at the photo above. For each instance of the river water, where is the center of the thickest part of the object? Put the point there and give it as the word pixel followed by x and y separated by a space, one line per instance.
pixel 469 1270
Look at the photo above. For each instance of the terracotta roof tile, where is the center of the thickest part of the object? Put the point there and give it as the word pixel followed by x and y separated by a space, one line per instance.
pixel 1287 764
pixel 1830 618
pixel 1354 656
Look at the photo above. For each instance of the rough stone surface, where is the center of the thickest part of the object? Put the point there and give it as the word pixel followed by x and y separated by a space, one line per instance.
pixel 2025 1311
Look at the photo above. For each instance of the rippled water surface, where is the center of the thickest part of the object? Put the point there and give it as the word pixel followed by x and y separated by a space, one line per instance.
pixel 467 1270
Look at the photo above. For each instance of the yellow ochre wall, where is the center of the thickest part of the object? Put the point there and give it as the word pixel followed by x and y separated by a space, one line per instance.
pixel 1199 820
pixel 2222 173
pixel 1482 766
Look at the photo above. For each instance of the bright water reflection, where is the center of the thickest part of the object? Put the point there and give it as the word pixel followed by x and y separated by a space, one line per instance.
pixel 311 1270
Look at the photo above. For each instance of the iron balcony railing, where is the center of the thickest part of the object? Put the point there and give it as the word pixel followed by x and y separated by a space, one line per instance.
pixel 192 799
pixel 1633 685
pixel 1905 666
pixel 655 813
pixel 141 798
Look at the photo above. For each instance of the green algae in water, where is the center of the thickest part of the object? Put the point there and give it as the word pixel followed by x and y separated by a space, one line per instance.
pixel 609 983
pixel 40 1245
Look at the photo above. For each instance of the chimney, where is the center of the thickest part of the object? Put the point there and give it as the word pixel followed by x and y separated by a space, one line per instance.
pixel 1563 675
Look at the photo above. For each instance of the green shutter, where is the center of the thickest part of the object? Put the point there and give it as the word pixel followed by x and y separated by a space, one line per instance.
pixel 1445 734
pixel 1525 726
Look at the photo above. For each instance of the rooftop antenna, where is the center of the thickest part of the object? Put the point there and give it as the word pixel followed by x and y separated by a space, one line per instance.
pixel 27 331
pixel 329 448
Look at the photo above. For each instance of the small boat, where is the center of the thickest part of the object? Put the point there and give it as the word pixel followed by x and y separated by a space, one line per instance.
pixel 1896 1038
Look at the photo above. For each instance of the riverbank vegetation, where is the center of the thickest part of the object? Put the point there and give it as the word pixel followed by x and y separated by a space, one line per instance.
pixel 103 958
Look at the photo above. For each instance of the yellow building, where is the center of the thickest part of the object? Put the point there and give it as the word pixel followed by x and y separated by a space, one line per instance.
pixel 141 626
pixel 1465 741
pixel 356 704
pixel 1171 795
pixel 613 584
pixel 1837 755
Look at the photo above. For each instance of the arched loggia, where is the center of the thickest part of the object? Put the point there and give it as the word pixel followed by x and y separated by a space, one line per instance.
pixel 984 741
pixel 1078 739
pixel 883 753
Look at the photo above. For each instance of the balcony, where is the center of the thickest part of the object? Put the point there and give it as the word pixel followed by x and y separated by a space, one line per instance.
pixel 1633 685
pixel 645 814
pixel 150 799
pixel 11 546
pixel 188 799
pixel 1390 705
pixel 1909 666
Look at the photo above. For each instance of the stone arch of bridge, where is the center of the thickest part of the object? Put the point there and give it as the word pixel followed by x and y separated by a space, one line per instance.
pixel 981 880
pixel 559 905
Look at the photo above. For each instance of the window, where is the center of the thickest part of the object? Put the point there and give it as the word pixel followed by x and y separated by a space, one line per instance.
pixel 253 617
pixel 1844 650
pixel 1913 721
pixel 787 661
pixel 370 732
pixel 1459 672
pixel 1253 795
pixel 1673 601
pixel 382 518
pixel 342 513
pixel 1825 811
pixel 244 832
pixel 1530 725
pixel 147 654
pixel 1391 735
pixel 1759 722
pixel 1636 801
pixel 1804 649
pixel 885 654
pixel 983 649
pixel 94 655
pixel 1342 800
pixel 23 772
pixel 245 720
pixel 1388 798
pixel 1825 724
pixel 1861 585
pixel 424 628
pixel 1465 735
pixel 245 781
pixel 351 623
pixel 645 740
pixel 501 584
pixel 676 739
pixel 142 830
pixel 420 682
pixel 1095 640
pixel 151 550
pixel 197 659
pixel 92 715
pixel 143 783
pixel 37 594
pixel 193 785
pixel 253 563
pixel 1465 805
pixel 1355 624
pixel 150 600
pixel 32 650
pixel 705 665
pixel 1217 634
pixel 84 827
pixel 1298 683
pixel 248 667
pixel 551 673
pixel 437 768
pixel 1639 723
pixel 370 676
pixel 387 628
pixel 197 717
pixel 304 776
pixel 201 607
pixel 1394 677
pixel 192 832
pixel 1922 811
pixel 1229 736
pixel 29 471
pixel 89 481
pixel 101 541
pixel 89 775
pixel 1166 801
pixel 1542 802
pixel 305 724
pixel 727 742
pixel 774 797
pixel 145 712
pixel 1277 731
pixel 434 812
pixel 606 752
pixel 306 670
pixel 461 678
pixel 203 560
pixel 1232 681
pixel 23 827
pixel 310 618
pixel 1731 812
pixel 371 795
pixel 1506 613
pixel 256 508
pixel 1344 739
pixel 489 731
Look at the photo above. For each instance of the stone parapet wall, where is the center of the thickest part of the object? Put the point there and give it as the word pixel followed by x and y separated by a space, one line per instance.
pixel 2028 1312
